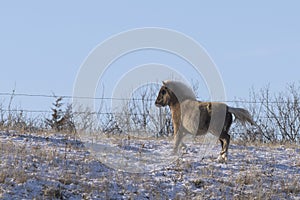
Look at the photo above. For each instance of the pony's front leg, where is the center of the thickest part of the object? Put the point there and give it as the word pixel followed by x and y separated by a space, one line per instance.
pixel 177 141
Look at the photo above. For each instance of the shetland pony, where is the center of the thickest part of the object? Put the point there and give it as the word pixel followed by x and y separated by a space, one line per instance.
pixel 196 117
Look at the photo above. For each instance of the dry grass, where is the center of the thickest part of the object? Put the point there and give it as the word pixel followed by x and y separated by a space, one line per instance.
pixel 53 166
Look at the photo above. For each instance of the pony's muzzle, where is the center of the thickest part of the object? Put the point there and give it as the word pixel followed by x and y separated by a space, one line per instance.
pixel 158 105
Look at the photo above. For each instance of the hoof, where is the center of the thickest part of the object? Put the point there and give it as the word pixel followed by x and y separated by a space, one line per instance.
pixel 222 158
pixel 175 152
pixel 183 146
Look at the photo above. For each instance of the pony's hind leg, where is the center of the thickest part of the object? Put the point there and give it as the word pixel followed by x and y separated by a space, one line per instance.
pixel 225 140
pixel 225 137
pixel 222 145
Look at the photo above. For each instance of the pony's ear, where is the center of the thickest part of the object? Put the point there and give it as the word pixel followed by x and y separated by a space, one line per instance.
pixel 164 83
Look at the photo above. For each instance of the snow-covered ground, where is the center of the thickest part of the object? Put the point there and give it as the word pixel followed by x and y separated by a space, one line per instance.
pixel 54 166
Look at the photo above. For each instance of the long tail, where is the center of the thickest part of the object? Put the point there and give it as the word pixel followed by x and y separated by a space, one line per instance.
pixel 242 115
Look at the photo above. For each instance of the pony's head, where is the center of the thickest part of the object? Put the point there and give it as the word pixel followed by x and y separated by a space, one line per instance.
pixel 173 92
pixel 164 97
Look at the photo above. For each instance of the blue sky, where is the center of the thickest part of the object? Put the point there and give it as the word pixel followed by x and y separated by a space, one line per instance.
pixel 43 44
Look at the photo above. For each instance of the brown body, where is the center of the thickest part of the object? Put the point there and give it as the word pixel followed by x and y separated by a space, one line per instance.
pixel 196 117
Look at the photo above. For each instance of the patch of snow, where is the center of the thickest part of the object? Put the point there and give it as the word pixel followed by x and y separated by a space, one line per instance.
pixel 35 166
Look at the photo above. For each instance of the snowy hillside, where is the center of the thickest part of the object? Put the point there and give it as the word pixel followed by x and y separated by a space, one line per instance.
pixel 53 166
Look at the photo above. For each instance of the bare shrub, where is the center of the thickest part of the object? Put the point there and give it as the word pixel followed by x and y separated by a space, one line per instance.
pixel 109 124
pixel 137 115
pixel 2 116
pixel 85 119
pixel 277 116
pixel 285 114
pixel 15 118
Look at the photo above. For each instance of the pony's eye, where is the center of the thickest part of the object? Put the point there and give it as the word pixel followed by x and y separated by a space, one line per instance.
pixel 163 92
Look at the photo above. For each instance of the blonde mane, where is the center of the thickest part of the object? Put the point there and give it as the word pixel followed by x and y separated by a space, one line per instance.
pixel 181 90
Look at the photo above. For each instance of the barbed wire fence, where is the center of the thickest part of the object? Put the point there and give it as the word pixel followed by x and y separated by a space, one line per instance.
pixel 278 116
pixel 234 102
